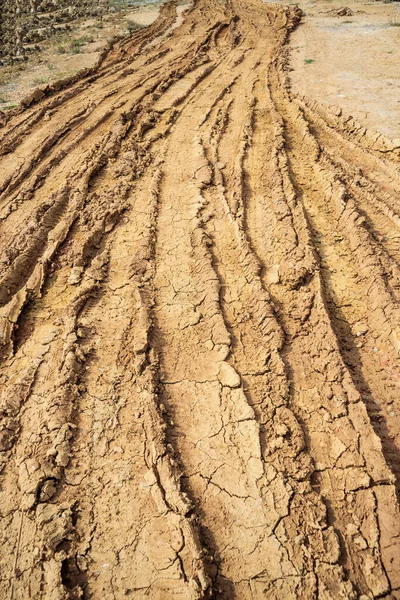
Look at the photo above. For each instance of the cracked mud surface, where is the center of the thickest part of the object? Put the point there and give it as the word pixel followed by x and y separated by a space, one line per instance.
pixel 199 328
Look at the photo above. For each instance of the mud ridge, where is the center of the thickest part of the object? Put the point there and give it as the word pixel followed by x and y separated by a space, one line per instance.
pixel 199 327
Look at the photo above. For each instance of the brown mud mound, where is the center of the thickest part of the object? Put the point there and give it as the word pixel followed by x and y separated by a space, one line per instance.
pixel 199 328
pixel 340 12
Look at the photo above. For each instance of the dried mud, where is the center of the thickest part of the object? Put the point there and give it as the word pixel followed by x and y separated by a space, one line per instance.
pixel 199 328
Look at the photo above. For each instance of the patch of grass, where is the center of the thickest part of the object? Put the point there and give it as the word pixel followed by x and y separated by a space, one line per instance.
pixel 61 49
pixel 133 26
pixel 309 61
pixel 86 39
pixel 10 106
pixel 117 4
pixel 40 80
pixel 76 43
pixel 75 46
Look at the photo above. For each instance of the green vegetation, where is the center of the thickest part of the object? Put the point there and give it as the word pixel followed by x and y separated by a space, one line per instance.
pixel 40 80
pixel 75 46
pixel 309 61
pixel 133 26
pixel 117 4
pixel 86 39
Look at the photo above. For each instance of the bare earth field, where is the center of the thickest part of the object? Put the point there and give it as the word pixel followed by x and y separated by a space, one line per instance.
pixel 348 54
pixel 199 310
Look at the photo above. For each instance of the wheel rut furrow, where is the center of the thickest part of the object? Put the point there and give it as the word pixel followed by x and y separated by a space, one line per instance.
pixel 199 304
pixel 255 353
pixel 133 419
pixel 101 71
pixel 355 413
pixel 161 84
pixel 122 98
pixel 27 259
pixel 355 268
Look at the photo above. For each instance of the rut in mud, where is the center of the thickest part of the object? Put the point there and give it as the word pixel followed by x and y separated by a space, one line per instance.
pixel 199 328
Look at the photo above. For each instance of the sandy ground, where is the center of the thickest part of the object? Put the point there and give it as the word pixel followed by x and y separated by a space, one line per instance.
pixel 199 326
pixel 351 61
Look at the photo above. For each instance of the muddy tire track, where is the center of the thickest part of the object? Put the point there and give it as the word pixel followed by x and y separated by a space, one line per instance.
pixel 200 329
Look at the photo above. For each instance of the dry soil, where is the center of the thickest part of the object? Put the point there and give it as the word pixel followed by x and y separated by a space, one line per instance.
pixel 348 54
pixel 199 328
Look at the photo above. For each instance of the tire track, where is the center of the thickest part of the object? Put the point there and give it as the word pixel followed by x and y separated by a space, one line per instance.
pixel 199 302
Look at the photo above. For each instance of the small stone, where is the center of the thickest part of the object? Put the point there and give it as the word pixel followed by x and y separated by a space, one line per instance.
pixel 222 351
pixel 228 376
pixel 75 276
pixel 272 275
pixel 47 490
pixel 361 329
pixel 281 429
pixel 351 529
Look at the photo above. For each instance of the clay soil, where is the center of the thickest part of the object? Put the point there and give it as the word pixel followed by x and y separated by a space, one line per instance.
pixel 200 285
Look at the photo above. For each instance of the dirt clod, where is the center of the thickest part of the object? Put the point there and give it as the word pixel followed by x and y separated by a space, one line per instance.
pixel 199 309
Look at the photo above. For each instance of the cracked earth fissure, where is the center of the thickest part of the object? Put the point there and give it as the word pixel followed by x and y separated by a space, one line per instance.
pixel 199 321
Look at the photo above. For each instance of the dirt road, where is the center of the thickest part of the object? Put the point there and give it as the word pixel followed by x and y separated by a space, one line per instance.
pixel 200 328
